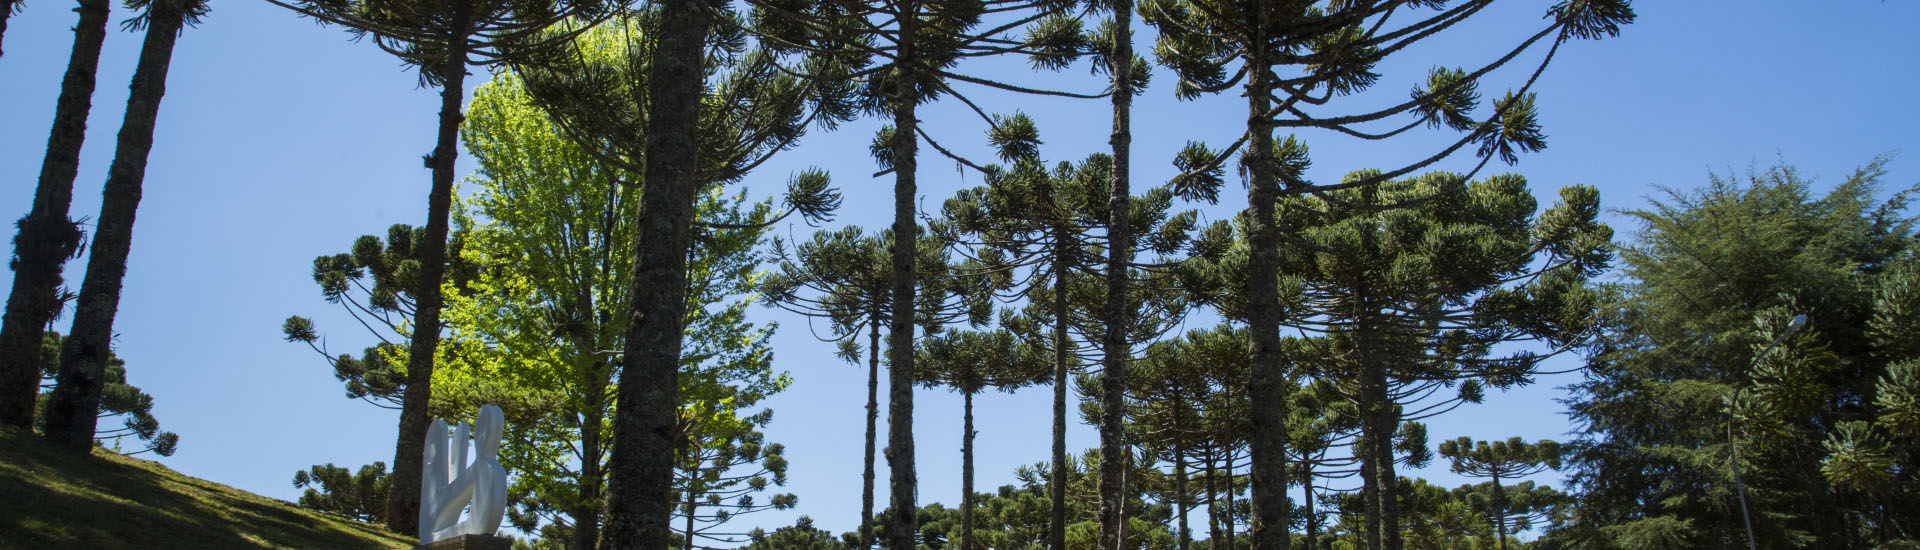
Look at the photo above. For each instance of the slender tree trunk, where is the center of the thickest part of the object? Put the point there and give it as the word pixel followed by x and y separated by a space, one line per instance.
pixel 645 435
pixel 1057 489
pixel 1313 519
pixel 1180 495
pixel 1213 508
pixel 873 414
pixel 1267 443
pixel 1369 495
pixel 1232 523
pixel 693 504
pixel 1378 428
pixel 586 514
pixel 1113 398
pixel 403 504
pixel 1499 511
pixel 900 454
pixel 47 238
pixel 73 409
pixel 966 475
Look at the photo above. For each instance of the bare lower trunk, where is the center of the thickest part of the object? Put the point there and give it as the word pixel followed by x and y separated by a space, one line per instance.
pixel 645 424
pixel 47 238
pixel 1369 497
pixel 403 503
pixel 1267 443
pixel 1499 511
pixel 693 504
pixel 900 454
pixel 1380 423
pixel 1180 496
pixel 1113 398
pixel 873 414
pixel 1233 522
pixel 1313 519
pixel 966 477
pixel 1057 488
pixel 1213 508
pixel 586 514
pixel 74 408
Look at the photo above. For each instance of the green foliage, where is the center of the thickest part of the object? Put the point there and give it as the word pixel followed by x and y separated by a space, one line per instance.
pixel 117 399
pixel 802 535
pixel 539 326
pixel 360 495
pixel 1696 358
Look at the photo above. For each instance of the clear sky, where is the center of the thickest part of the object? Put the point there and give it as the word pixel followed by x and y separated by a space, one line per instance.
pixel 280 140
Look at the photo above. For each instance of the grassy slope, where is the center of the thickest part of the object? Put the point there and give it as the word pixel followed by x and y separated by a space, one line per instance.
pixel 49 499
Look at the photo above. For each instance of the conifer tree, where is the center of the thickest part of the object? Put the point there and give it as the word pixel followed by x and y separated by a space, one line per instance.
pixel 845 278
pixel 73 408
pixel 117 399
pixel 650 109
pixel 442 38
pixel 906 54
pixel 1511 459
pixel 47 237
pixel 969 362
pixel 1292 59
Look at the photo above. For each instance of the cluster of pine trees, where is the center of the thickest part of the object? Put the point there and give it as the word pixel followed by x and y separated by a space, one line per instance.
pixel 595 280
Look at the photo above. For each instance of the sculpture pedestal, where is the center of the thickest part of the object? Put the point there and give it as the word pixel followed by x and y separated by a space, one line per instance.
pixel 471 542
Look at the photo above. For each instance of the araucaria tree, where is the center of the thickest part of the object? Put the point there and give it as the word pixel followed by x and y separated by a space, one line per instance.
pixel 442 38
pixel 117 399
pixel 969 362
pixel 73 409
pixel 1511 459
pixel 1292 61
pixel 651 110
pixel 846 278
pixel 905 55
pixel 47 238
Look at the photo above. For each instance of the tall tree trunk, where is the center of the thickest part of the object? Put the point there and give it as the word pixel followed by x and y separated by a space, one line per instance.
pixel 586 515
pixel 900 458
pixel 1267 442
pixel 693 504
pixel 1213 508
pixel 1180 495
pixel 1313 519
pixel 1057 489
pixel 1232 523
pixel 74 407
pixel 1113 395
pixel 1378 428
pixel 1499 511
pixel 1369 495
pixel 873 414
pixel 966 475
pixel 639 507
pixel 403 504
pixel 47 237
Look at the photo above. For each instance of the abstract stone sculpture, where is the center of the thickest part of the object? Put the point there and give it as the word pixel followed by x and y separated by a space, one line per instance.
pixel 449 484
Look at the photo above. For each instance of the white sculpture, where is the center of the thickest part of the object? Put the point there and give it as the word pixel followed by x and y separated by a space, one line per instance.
pixel 449 484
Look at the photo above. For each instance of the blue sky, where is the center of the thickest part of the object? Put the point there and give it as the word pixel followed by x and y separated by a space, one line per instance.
pixel 280 140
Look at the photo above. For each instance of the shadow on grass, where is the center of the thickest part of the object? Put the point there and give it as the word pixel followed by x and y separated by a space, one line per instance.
pixel 51 499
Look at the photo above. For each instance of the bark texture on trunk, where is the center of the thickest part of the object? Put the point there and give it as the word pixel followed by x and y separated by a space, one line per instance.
pixel 966 476
pixel 47 237
pixel 73 409
pixel 586 517
pixel 1267 442
pixel 6 12
pixel 639 490
pixel 1113 395
pixel 403 502
pixel 1057 486
pixel 900 457
pixel 1180 496
pixel 1378 427
pixel 1213 507
pixel 873 415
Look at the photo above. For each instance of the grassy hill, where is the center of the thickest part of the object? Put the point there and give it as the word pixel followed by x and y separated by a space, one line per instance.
pixel 50 499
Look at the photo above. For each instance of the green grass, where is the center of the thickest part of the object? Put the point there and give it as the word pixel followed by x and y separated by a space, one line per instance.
pixel 52 499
